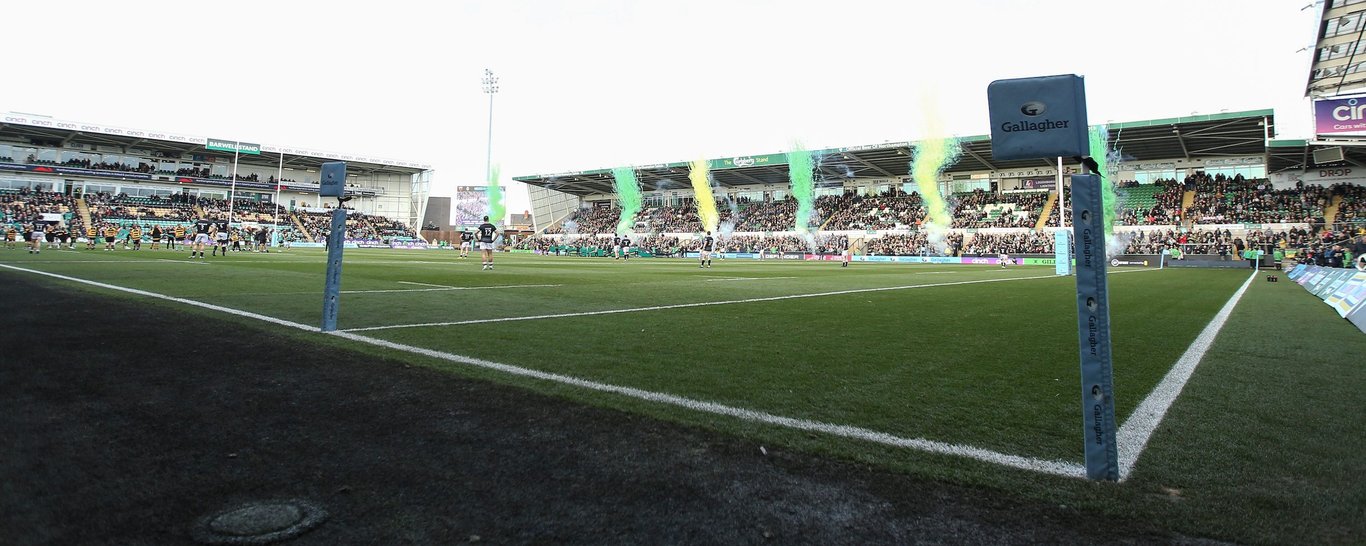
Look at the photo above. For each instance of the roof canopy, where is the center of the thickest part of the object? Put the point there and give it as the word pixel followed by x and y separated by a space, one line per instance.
pixel 1228 134
pixel 21 129
pixel 1339 64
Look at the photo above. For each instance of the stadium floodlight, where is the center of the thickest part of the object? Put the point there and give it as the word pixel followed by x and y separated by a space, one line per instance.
pixel 490 88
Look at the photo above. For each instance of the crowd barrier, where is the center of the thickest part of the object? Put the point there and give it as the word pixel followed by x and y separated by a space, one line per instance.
pixel 1342 289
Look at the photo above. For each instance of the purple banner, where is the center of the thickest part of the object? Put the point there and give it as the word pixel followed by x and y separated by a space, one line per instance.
pixel 1340 116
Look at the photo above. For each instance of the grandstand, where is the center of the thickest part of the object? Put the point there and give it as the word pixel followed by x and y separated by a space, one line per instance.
pixel 93 174
pixel 1207 184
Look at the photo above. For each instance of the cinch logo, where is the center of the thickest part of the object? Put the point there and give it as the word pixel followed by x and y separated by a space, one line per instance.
pixel 1033 108
pixel 1350 112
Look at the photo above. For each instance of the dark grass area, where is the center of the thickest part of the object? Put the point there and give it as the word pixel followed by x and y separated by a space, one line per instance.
pixel 123 424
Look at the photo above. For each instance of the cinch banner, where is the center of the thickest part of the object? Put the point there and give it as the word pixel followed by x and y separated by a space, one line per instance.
pixel 1340 116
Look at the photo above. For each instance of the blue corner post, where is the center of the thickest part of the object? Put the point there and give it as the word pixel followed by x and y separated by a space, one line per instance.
pixel 1045 118
pixel 335 239
pixel 333 184
pixel 1093 327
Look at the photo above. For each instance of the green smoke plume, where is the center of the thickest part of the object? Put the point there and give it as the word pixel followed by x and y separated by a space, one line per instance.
pixel 496 211
pixel 1107 161
pixel 799 167
pixel 931 155
pixel 628 195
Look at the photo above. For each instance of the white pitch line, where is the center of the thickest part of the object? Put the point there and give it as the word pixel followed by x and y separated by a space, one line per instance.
pixel 697 304
pixel 1134 434
pixel 424 284
pixel 1055 467
pixel 746 278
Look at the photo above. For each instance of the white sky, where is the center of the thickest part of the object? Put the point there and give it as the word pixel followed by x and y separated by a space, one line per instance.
pixel 604 83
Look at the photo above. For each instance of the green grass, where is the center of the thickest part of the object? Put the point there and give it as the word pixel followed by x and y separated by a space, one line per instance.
pixel 1258 444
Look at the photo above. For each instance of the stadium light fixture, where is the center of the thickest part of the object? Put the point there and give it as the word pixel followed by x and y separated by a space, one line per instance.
pixel 490 88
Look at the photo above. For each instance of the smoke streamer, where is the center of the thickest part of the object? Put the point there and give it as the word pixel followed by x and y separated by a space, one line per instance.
pixel 931 155
pixel 496 210
pixel 1107 162
pixel 799 167
pixel 628 195
pixel 699 174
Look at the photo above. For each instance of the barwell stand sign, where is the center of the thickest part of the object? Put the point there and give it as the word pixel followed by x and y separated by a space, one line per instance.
pixel 1045 118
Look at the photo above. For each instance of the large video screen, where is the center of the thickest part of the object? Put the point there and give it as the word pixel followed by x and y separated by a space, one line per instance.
pixel 471 204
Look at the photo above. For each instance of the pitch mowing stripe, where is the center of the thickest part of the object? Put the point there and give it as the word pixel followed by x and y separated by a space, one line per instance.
pixel 1059 468
pixel 1132 437
pixel 442 289
pixel 696 304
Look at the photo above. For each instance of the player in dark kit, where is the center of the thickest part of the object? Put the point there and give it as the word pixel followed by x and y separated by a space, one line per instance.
pixel 156 237
pixel 37 234
pixel 221 233
pixel 708 244
pixel 487 232
pixel 202 227
pixel 466 241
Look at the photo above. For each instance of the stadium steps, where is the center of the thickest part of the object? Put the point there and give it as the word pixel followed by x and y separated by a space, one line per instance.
pixel 828 218
pixel 1047 210
pixel 1331 211
pixel 300 226
pixel 84 210
pixel 1187 199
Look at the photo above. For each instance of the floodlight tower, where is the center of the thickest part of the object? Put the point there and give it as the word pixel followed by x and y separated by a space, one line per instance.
pixel 490 88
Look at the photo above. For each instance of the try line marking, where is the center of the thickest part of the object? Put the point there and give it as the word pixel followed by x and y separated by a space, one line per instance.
pixel 1132 437
pixel 746 278
pixel 701 304
pixel 1059 468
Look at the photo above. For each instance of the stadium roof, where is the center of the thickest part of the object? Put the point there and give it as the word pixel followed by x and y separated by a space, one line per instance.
pixel 1226 134
pixel 24 129
pixel 1290 155
pixel 1339 64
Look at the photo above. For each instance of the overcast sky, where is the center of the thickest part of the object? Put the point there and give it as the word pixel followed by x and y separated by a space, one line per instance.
pixel 596 84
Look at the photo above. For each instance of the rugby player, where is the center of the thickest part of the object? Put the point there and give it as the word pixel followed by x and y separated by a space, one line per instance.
pixel 704 253
pixel 466 242
pixel 111 234
pixel 179 231
pixel 487 232
pixel 36 236
pixel 135 235
pixel 202 228
pixel 220 230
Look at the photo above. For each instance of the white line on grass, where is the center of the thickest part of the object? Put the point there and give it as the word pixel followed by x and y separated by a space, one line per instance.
pixel 685 305
pixel 746 278
pixel 1060 468
pixel 423 284
pixel 1133 436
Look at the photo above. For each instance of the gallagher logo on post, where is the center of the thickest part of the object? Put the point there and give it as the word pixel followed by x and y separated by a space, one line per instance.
pixel 1033 108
